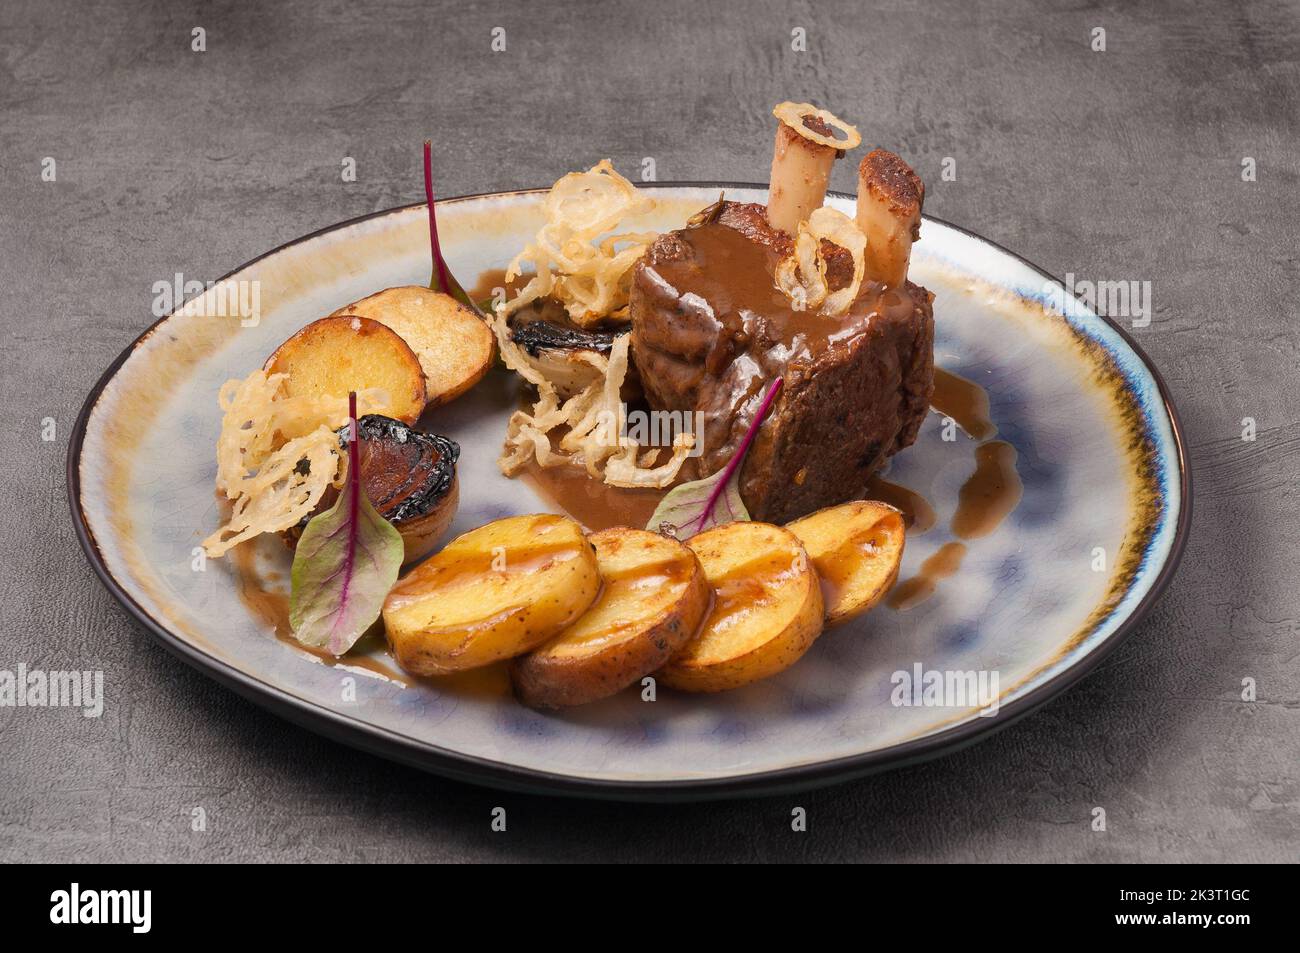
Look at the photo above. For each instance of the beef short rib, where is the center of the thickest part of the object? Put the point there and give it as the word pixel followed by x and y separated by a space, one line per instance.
pixel 710 332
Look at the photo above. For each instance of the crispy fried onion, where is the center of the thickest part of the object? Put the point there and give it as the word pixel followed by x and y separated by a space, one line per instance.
pixel 801 277
pixel 591 278
pixel 592 419
pixel 794 114
pixel 276 454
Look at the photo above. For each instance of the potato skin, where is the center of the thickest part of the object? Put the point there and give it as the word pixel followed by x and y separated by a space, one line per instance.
pixel 337 355
pixel 503 636
pixel 475 614
pixel 764 661
pixel 455 347
pixel 853 581
pixel 695 669
pixel 547 680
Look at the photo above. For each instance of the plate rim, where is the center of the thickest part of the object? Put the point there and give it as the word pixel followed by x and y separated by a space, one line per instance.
pixel 476 770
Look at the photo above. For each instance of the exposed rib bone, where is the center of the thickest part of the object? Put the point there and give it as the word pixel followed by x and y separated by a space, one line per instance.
pixel 806 147
pixel 890 196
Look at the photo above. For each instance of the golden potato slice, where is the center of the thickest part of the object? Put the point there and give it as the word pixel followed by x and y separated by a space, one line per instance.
pixel 335 355
pixel 856 549
pixel 493 593
pixel 455 346
pixel 653 601
pixel 767 608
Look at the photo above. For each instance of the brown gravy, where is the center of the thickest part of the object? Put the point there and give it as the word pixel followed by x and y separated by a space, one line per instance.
pixel 270 605
pixel 918 514
pixel 986 498
pixel 487 681
pixel 733 274
pixel 991 492
pixel 593 503
pixel 492 279
pixel 912 592
pixel 964 401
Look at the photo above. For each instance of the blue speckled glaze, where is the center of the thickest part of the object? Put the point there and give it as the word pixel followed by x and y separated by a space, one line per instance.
pixel 1151 431
pixel 1098 455
pixel 1132 378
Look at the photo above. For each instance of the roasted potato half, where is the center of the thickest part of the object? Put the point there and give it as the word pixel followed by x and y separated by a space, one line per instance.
pixel 493 593
pixel 454 345
pixel 335 355
pixel 767 608
pixel 653 601
pixel 856 549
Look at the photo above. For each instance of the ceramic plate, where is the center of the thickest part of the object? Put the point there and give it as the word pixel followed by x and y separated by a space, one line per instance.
pixel 1028 603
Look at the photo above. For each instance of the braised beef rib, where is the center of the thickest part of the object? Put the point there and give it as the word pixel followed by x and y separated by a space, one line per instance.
pixel 710 332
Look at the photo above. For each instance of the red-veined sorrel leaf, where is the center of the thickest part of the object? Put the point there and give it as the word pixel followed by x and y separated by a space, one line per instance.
pixel 443 280
pixel 691 508
pixel 346 562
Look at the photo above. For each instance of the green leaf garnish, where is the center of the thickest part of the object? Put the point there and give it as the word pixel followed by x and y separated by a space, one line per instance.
pixel 346 562
pixel 691 508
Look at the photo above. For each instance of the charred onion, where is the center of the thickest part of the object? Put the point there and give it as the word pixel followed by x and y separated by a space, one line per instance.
pixel 409 477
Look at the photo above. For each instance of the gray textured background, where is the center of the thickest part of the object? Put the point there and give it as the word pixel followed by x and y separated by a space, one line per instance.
pixel 1116 165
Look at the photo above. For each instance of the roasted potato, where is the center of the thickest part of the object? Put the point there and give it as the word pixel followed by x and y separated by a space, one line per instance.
pixel 335 355
pixel 767 608
pixel 653 601
pixel 454 345
pixel 856 549
pixel 493 593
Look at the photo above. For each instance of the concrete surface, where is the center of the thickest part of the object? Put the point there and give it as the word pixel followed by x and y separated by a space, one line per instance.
pixel 1122 164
